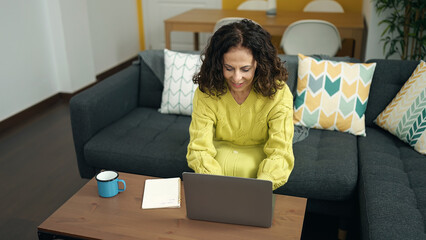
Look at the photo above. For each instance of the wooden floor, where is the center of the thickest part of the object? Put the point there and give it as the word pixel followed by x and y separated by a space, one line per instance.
pixel 38 171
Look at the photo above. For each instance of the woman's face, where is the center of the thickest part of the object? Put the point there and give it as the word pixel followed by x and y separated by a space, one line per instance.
pixel 239 67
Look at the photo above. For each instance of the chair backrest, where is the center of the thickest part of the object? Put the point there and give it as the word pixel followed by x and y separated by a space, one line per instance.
pixel 225 21
pixel 311 36
pixel 323 6
pixel 254 5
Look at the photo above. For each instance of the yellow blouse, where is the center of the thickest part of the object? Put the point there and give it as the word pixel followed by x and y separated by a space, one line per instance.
pixel 252 140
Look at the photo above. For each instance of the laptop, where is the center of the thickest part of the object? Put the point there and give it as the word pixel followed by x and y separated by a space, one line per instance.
pixel 244 201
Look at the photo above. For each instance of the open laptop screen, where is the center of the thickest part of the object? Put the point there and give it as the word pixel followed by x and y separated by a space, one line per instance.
pixel 226 199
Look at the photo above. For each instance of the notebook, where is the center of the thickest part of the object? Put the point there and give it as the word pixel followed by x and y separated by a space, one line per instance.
pixel 161 193
pixel 225 199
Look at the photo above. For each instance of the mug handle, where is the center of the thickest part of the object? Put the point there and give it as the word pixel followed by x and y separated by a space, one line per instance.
pixel 124 185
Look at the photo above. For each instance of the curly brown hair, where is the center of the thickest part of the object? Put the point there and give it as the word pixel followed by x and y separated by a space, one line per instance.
pixel 270 74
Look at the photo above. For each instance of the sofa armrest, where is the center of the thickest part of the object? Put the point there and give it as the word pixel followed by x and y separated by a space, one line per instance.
pixel 99 106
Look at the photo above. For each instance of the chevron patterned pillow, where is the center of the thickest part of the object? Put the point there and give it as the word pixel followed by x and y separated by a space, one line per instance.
pixel 405 116
pixel 332 95
pixel 178 86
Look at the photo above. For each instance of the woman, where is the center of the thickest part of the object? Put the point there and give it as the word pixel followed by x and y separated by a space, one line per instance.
pixel 242 119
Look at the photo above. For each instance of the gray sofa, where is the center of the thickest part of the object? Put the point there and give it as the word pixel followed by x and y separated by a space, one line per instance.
pixel 392 176
pixel 116 125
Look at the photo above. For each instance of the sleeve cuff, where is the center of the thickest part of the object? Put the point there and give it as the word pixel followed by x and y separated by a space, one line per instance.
pixel 265 176
pixel 275 184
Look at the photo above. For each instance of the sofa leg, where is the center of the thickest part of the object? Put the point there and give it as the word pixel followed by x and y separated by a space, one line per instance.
pixel 344 223
pixel 341 234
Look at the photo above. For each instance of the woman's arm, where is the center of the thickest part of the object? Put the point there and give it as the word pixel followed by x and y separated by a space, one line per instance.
pixel 279 160
pixel 201 151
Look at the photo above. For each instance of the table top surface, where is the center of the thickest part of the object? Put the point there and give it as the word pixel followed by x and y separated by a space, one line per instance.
pixel 282 18
pixel 86 215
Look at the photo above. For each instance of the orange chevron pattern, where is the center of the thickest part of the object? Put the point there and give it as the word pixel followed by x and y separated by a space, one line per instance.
pixel 334 70
pixel 317 68
pixel 347 89
pixel 315 101
pixel 303 83
pixel 411 93
pixel 343 124
pixel 327 122
pixel 383 117
pixel 363 91
pixel 420 70
pixel 297 115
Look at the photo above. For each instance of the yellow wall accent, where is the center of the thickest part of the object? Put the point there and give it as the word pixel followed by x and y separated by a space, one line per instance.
pixel 231 4
pixel 289 5
pixel 140 24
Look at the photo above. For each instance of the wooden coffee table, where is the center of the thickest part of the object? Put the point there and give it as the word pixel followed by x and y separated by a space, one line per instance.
pixel 88 216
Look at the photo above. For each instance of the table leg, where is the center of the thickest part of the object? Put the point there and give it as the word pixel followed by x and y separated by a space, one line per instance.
pixel 358 44
pixel 167 29
pixel 196 41
pixel 45 236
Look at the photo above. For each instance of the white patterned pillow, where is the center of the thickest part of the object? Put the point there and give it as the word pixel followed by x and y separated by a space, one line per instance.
pixel 405 116
pixel 178 86
pixel 332 95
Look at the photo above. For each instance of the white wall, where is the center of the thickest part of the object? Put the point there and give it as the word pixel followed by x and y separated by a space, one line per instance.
pixel 27 75
pixel 156 11
pixel 74 37
pixel 52 46
pixel 374 47
pixel 114 32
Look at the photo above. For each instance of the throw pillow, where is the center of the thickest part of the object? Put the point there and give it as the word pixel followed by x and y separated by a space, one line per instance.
pixel 405 116
pixel 178 86
pixel 332 95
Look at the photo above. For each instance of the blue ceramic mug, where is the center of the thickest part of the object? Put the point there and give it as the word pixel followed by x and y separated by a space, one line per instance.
pixel 108 184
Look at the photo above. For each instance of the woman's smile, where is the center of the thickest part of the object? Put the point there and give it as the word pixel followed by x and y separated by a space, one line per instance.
pixel 237 85
pixel 239 68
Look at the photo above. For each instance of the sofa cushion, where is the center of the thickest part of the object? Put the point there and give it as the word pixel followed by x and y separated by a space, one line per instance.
pixel 179 88
pixel 290 63
pixel 332 95
pixel 152 77
pixel 325 166
pixel 389 76
pixel 405 116
pixel 144 142
pixel 392 188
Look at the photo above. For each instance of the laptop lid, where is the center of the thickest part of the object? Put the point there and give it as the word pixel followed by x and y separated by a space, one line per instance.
pixel 226 199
